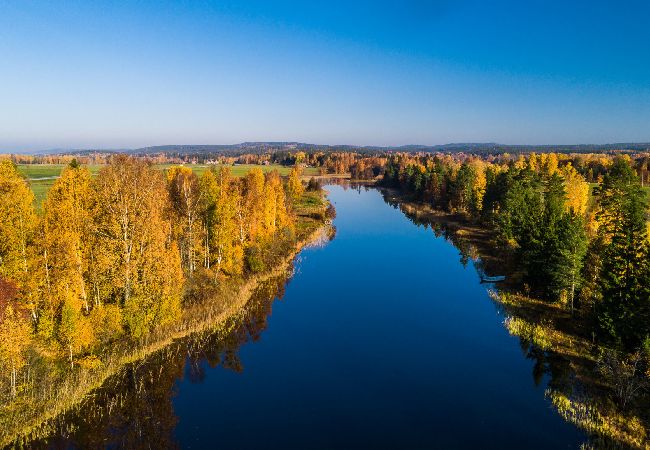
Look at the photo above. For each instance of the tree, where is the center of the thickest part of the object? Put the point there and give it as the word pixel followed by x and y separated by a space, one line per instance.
pixel 624 280
pixel 15 337
pixel 565 265
pixel 468 188
pixel 17 222
pixel 185 197
pixel 295 189
pixel 74 332
pixel 66 232
pixel 254 204
pixel 220 198
pixel 577 190
pixel 140 265
pixel 276 216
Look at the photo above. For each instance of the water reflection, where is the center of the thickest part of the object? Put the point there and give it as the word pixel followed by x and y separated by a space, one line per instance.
pixel 474 246
pixel 134 409
pixel 399 350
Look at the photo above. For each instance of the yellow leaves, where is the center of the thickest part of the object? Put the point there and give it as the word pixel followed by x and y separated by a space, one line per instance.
pixel 533 163
pixel 65 234
pixel 577 190
pixel 185 195
pixel 254 203
pixel 106 320
pixel 480 183
pixel 17 222
pixel 294 186
pixel 15 336
pixel 141 267
pixel 520 164
pixel 548 163
pixel 222 208
pixel 90 362
pixel 175 172
pixel 75 331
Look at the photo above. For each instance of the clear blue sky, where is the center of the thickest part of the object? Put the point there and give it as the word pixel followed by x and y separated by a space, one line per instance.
pixel 111 74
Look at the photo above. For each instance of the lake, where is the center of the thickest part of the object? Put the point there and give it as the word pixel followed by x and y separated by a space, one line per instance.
pixel 383 338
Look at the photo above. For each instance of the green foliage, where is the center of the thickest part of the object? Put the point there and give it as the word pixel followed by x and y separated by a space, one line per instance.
pixel 541 209
pixel 624 313
pixel 254 259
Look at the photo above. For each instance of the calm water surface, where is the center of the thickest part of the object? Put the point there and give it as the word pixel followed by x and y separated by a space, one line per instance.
pixel 382 339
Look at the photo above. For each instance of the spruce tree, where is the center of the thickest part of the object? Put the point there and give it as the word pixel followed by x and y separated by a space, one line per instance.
pixel 624 281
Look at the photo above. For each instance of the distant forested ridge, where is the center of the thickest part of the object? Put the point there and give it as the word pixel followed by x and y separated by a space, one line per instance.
pixel 203 152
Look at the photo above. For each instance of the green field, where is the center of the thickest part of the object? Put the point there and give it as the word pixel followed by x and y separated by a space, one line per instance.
pixel 42 176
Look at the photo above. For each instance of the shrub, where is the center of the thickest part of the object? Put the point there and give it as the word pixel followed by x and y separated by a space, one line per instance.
pixel 313 185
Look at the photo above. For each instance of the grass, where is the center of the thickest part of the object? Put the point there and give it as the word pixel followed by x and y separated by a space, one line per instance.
pixel 552 328
pixel 42 176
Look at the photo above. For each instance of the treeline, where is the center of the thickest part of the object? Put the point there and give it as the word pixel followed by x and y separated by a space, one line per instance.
pixel 359 165
pixel 89 158
pixel 110 257
pixel 586 248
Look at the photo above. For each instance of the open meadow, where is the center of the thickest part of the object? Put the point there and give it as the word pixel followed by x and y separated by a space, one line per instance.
pixel 42 176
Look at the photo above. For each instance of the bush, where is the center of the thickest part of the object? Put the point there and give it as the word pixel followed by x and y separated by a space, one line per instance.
pixel 254 259
pixel 313 185
pixel 330 212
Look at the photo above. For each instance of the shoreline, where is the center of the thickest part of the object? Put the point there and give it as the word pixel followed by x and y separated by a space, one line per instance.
pixel 212 315
pixel 545 326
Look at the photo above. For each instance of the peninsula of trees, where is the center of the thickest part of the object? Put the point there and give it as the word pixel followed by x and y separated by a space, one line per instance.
pixel 112 258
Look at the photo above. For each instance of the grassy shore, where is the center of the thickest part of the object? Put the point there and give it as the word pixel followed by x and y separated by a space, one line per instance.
pixel 31 416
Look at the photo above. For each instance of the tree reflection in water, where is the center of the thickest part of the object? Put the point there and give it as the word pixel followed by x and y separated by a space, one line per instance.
pixel 561 357
pixel 134 409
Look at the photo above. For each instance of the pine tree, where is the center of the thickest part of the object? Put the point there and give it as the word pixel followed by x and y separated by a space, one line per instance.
pixel 625 280
pixel 566 263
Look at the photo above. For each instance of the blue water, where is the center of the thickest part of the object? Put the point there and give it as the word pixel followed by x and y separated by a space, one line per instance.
pixel 383 339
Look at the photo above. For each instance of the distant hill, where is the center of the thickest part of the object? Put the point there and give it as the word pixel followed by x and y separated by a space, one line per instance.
pixel 268 147
pixel 470 147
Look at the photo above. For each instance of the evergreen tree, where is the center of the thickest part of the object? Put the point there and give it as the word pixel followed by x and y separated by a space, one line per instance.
pixel 624 280
pixel 565 264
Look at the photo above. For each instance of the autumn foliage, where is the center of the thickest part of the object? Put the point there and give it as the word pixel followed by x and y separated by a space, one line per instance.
pixel 587 250
pixel 110 257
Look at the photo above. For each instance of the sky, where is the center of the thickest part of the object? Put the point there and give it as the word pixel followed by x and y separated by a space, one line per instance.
pixel 84 74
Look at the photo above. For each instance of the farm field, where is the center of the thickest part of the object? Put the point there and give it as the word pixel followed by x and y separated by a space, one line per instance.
pixel 42 176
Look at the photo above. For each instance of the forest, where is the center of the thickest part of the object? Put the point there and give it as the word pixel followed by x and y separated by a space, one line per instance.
pixel 124 255
pixel 584 245
pixel 117 259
